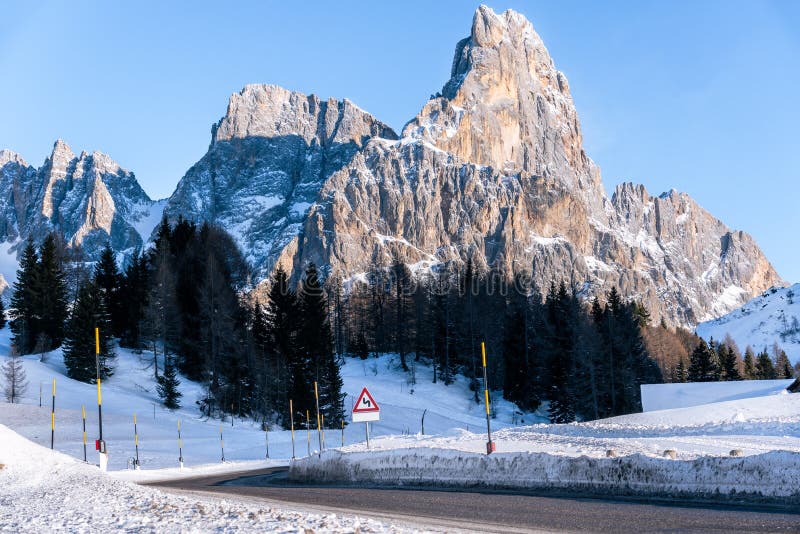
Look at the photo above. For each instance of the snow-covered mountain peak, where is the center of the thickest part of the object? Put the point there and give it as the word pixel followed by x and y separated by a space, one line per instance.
pixel 269 156
pixel 270 111
pixel 88 198
pixel 9 156
pixel 772 317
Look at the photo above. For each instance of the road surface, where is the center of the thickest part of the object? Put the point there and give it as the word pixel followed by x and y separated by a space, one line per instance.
pixel 489 511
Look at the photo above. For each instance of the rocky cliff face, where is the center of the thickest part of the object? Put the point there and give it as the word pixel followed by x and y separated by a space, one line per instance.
pixel 268 159
pixel 88 198
pixel 494 169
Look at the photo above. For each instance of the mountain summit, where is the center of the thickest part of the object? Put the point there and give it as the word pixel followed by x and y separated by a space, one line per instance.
pixel 492 170
pixel 88 198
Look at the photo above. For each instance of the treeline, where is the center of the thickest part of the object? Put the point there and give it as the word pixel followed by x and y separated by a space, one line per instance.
pixel 713 362
pixel 184 305
pixel 586 362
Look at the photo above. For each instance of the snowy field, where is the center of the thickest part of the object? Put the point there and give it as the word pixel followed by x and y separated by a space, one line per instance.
pixel 46 491
pixel 573 456
pixel 683 395
pixel 40 489
pixel 132 390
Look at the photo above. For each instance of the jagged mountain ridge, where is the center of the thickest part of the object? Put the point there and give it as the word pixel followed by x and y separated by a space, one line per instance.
pixel 88 198
pixel 492 169
pixel 268 159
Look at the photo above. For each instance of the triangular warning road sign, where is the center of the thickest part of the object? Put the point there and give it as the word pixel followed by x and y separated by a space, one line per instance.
pixel 365 403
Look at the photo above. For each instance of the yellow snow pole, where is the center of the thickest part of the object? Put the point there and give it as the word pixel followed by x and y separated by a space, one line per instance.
pixel 490 447
pixel 53 417
pixel 83 416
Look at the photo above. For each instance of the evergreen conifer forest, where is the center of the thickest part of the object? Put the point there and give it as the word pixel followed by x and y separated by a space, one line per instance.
pixel 186 304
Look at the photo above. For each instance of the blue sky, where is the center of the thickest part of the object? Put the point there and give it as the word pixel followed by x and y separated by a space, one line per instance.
pixel 699 96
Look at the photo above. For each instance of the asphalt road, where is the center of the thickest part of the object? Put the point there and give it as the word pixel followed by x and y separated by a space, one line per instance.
pixel 487 511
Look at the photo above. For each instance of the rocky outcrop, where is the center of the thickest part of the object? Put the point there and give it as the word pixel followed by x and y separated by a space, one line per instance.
pixel 88 198
pixel 493 169
pixel 268 159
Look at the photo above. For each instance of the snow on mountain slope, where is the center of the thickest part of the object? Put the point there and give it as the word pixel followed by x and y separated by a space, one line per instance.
pixel 772 317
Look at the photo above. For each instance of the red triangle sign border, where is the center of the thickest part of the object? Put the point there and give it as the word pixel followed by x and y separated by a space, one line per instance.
pixel 366 393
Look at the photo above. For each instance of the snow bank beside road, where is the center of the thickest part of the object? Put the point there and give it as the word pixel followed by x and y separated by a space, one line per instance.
pixel 45 491
pixel 773 476
pixel 573 456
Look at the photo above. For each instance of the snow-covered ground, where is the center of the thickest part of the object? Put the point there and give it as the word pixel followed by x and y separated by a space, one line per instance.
pixel 683 395
pixel 773 316
pixel 573 456
pixel 131 390
pixel 46 491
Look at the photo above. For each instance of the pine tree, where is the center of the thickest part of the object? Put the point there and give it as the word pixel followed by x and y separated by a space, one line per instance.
pixel 88 313
pixel 750 371
pixel 14 380
pixel 783 367
pixel 167 386
pixel 702 364
pixel 765 369
pixel 2 315
pixel 50 283
pixel 515 377
pixel 360 347
pixel 315 349
pixel 159 320
pixel 135 286
pixel 109 281
pixel 288 370
pixel 681 373
pixel 25 323
pixel 729 366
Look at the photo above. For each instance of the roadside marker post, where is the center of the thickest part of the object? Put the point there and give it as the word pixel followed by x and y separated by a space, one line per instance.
pixel 323 433
pixel 266 437
pixel 490 445
pixel 366 410
pixel 83 416
pixel 180 446
pixel 136 442
pixel 100 445
pixel 291 418
pixel 308 431
pixel 221 444
pixel 53 418
pixel 319 424
pixel 342 432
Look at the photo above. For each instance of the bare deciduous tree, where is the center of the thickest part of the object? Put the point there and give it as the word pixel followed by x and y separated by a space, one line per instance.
pixel 14 380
